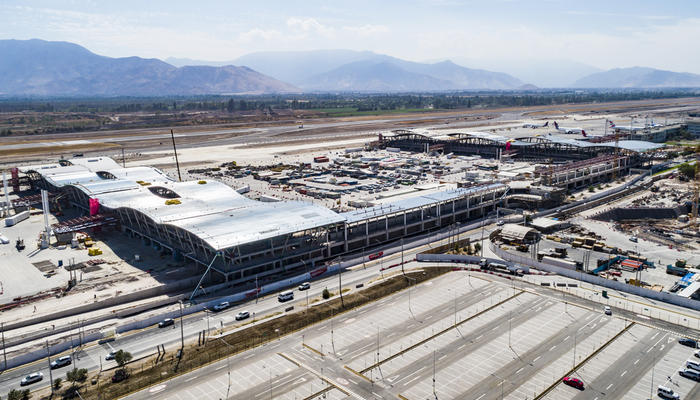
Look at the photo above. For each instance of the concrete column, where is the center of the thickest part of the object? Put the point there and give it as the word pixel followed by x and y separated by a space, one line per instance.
pixel 386 227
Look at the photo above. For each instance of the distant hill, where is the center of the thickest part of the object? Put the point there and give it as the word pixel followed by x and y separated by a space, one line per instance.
pixel 347 70
pixel 42 68
pixel 376 77
pixel 638 77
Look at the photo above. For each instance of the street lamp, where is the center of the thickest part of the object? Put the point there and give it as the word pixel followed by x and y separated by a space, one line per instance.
pixel 182 330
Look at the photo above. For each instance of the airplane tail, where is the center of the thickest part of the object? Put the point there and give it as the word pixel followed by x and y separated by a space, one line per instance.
pixel 556 125
pixel 545 124
pixel 612 125
pixel 583 133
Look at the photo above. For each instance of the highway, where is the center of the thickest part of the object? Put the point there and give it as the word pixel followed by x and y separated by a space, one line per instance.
pixel 144 342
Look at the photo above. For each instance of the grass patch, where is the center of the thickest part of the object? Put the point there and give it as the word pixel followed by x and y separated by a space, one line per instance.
pixel 149 371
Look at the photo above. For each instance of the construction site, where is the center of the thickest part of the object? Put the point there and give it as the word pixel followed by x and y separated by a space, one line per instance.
pixel 102 245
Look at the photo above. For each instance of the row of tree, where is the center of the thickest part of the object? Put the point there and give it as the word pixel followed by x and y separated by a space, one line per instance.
pixel 313 101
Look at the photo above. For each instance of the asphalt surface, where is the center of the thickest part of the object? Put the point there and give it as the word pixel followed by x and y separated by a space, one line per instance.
pixel 479 336
pixel 144 342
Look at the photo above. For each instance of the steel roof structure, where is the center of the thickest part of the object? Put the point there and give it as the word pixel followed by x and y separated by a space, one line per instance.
pixel 415 202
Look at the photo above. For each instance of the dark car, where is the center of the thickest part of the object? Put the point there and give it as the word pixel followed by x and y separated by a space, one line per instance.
pixel 688 342
pixel 573 382
pixel 166 322
pixel 60 362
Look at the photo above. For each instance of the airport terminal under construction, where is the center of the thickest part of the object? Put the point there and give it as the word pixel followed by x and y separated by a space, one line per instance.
pixel 512 231
pixel 212 224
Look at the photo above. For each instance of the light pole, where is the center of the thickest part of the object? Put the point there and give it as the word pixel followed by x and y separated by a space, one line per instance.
pixel 182 329
pixel 4 353
pixel 48 357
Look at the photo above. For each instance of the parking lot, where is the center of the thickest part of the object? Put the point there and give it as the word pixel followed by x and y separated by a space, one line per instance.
pixel 462 335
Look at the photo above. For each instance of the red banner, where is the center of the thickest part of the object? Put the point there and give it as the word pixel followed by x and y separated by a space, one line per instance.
pixel 318 271
pixel 94 207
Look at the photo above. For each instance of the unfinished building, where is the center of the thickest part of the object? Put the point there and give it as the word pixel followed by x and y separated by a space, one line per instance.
pixel 211 224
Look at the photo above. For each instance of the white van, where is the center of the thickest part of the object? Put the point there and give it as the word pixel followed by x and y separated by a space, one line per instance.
pixel 692 364
pixel 285 296
pixel 667 393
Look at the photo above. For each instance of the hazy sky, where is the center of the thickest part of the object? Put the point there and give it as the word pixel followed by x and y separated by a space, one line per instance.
pixel 605 34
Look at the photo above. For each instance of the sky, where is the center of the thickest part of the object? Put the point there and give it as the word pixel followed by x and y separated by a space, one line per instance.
pixel 603 34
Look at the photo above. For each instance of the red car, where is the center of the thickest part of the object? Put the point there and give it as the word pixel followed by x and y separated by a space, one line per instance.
pixel 573 382
pixel 376 255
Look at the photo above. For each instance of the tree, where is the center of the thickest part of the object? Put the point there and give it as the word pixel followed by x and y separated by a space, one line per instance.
pixel 687 170
pixel 326 294
pixel 122 358
pixel 76 375
pixel 15 394
pixel 477 247
pixel 57 383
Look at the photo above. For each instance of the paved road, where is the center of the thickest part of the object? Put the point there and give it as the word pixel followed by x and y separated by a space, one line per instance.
pixel 508 343
pixel 144 342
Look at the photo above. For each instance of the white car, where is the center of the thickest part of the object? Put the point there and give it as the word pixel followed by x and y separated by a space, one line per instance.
pixel 60 362
pixel 607 310
pixel 222 306
pixel 242 315
pixel 31 378
pixel 305 286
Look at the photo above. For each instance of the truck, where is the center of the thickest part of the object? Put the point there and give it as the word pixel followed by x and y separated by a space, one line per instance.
pixel 559 262
pixel 673 270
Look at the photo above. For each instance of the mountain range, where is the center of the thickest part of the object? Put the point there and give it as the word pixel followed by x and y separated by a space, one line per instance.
pixel 638 77
pixel 41 68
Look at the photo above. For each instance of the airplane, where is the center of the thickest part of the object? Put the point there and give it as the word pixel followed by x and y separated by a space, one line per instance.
pixel 569 130
pixel 535 126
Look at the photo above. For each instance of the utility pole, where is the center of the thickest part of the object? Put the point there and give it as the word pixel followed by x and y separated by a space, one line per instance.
pixel 434 392
pixel 651 391
pixel 177 163
pixel 4 352
pixel 48 357
pixel 182 330
pixel 402 270
pixel 510 317
pixel 123 161
pixel 574 350
pixel 340 282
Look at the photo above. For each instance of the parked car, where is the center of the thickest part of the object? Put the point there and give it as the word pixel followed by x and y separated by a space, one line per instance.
pixel 667 393
pixel 31 378
pixel 690 374
pixel 222 306
pixel 633 239
pixel 688 342
pixel 500 222
pixel 305 286
pixel 573 382
pixel 697 354
pixel 166 322
pixel 111 355
pixel 60 362
pixel 242 315
pixel 607 310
